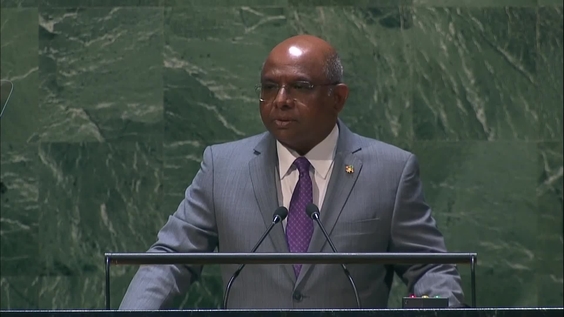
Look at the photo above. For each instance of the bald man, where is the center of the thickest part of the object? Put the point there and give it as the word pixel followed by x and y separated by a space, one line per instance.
pixel 368 193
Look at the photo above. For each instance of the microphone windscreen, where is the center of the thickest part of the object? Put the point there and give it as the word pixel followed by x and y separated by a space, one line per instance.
pixel 281 212
pixel 311 209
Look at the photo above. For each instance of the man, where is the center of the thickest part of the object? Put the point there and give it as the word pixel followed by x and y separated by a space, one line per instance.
pixel 368 192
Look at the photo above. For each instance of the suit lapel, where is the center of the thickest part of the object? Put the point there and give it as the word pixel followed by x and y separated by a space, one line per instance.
pixel 263 177
pixel 338 191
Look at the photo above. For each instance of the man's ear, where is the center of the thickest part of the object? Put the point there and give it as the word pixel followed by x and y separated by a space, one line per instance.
pixel 340 93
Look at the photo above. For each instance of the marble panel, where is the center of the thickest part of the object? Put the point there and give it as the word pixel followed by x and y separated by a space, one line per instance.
pixel 18 3
pixel 551 225
pixel 96 198
pixel 212 58
pixel 20 210
pixel 483 196
pixel 550 3
pixel 549 63
pixel 19 292
pixel 101 74
pixel 476 3
pixel 19 65
pixel 225 3
pixel 474 73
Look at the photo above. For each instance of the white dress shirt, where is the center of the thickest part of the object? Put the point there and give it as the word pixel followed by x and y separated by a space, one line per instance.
pixel 321 159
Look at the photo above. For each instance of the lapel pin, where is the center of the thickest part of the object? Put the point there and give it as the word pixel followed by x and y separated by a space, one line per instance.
pixel 349 169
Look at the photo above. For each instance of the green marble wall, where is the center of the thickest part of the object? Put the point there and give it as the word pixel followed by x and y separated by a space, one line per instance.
pixel 115 100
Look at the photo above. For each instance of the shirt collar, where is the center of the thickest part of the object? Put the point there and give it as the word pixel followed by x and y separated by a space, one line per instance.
pixel 320 157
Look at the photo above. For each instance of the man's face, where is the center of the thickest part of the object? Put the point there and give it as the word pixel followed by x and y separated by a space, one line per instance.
pixel 297 104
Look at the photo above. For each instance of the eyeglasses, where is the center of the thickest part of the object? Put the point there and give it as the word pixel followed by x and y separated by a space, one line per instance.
pixel 295 90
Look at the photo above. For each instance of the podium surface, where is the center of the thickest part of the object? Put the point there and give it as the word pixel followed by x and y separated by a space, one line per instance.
pixel 462 312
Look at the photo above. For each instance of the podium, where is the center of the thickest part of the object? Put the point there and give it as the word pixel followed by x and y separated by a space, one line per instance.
pixel 158 258
pixel 463 312
pixel 290 258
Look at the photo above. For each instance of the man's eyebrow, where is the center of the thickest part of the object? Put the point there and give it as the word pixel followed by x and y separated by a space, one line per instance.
pixel 295 79
pixel 303 78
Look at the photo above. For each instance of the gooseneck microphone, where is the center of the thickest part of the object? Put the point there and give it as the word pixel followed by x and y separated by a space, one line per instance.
pixel 279 214
pixel 313 212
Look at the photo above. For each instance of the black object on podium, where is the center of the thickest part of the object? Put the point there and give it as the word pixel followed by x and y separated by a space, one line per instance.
pixel 424 302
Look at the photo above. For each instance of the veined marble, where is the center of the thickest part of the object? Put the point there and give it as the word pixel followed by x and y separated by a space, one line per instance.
pixel 115 101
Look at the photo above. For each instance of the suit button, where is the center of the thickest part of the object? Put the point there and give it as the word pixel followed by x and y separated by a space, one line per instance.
pixel 298 296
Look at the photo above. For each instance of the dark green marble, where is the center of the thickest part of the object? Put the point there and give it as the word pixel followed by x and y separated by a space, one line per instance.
pixel 474 73
pixel 549 64
pixel 126 3
pixel 19 292
pixel 356 3
pixel 19 64
pixel 225 3
pixel 550 2
pixel 19 186
pixel 115 101
pixel 212 59
pixel 96 198
pixel 551 224
pixel 100 74
pixel 83 291
pixel 484 200
pixel 19 212
pixel 18 4
pixel 20 209
pixel 476 3
pixel 80 3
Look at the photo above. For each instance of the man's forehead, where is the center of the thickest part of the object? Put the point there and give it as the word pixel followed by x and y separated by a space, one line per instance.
pixel 297 51
pixel 294 60
pixel 290 71
pixel 277 75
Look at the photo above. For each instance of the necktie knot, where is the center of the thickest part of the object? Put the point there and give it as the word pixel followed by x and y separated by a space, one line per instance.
pixel 302 164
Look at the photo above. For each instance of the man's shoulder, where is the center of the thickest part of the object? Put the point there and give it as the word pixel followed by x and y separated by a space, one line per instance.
pixel 239 148
pixel 249 142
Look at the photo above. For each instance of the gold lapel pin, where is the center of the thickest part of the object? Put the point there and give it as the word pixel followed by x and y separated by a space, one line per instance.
pixel 349 169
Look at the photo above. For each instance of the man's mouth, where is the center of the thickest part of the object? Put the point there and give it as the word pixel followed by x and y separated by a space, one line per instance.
pixel 282 123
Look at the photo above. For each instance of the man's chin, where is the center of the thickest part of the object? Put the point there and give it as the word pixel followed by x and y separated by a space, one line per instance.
pixel 285 137
pixel 282 137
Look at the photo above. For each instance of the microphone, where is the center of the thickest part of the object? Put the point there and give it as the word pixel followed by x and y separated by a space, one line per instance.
pixel 279 214
pixel 313 212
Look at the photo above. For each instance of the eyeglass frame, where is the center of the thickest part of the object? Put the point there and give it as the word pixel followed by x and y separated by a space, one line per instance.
pixel 258 88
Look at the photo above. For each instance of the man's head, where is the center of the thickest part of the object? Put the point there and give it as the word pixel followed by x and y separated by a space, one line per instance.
pixel 302 92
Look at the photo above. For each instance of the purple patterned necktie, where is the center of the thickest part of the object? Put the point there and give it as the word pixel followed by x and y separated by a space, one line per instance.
pixel 299 228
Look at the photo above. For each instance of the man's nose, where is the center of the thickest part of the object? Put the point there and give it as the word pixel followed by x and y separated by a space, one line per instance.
pixel 283 97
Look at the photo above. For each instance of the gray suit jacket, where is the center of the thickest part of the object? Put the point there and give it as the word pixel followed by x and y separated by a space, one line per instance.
pixel 378 208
